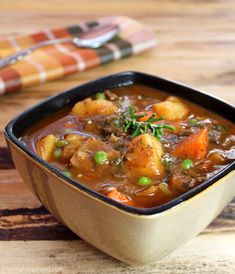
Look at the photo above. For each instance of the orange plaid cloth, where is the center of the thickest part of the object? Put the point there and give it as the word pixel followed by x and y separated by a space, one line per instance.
pixel 52 62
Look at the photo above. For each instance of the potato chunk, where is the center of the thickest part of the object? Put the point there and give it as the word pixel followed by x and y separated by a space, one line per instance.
pixel 143 157
pixel 172 109
pixel 71 137
pixel 45 147
pixel 89 107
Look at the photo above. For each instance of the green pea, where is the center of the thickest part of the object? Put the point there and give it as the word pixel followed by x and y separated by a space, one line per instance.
pixel 100 95
pixel 61 143
pixel 187 164
pixel 57 153
pixel 144 181
pixel 67 173
pixel 100 157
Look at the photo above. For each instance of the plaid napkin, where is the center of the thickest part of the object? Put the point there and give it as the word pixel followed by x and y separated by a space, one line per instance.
pixel 52 62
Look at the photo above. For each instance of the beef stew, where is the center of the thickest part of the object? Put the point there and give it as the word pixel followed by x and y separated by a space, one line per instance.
pixel 136 145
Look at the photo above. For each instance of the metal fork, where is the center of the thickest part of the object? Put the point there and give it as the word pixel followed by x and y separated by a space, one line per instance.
pixel 93 38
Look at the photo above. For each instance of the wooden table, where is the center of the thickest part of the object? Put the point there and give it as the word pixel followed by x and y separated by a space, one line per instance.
pixel 197 47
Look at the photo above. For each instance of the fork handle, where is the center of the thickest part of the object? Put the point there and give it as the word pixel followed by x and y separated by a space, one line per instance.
pixel 14 58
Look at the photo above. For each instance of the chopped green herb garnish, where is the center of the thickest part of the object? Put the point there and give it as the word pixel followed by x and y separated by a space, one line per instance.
pixel 136 127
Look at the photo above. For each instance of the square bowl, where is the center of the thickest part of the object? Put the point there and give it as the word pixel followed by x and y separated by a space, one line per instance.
pixel 132 235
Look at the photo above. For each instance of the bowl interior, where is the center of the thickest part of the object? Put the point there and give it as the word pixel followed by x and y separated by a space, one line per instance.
pixel 16 128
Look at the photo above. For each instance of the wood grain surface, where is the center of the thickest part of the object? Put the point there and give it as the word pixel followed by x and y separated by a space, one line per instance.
pixel 196 47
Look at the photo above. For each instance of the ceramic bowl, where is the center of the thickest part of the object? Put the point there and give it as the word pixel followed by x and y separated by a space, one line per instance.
pixel 132 235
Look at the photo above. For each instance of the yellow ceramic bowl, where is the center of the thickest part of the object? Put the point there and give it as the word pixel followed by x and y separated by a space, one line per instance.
pixel 133 235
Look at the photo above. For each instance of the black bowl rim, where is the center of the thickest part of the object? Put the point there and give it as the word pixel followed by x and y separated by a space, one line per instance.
pixel 134 210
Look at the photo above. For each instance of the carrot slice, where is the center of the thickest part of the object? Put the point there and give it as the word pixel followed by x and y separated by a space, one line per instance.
pixel 148 113
pixel 194 147
pixel 120 197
